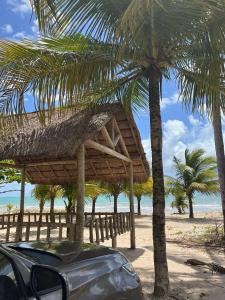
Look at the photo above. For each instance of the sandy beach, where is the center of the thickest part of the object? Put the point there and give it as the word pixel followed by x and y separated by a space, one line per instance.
pixel 184 241
pixel 187 282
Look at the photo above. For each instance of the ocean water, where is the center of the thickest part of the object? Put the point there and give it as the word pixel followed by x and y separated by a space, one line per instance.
pixel 201 203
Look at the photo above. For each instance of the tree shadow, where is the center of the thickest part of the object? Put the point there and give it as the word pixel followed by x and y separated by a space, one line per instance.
pixel 132 254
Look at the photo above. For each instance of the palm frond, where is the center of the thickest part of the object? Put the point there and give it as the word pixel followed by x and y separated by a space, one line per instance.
pixel 196 174
pixel 91 17
pixel 50 72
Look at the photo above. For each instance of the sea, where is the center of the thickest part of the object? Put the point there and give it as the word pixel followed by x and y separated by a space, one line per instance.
pixel 202 203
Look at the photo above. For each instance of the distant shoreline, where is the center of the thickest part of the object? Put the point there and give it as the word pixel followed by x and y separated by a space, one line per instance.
pixel 88 208
pixel 202 204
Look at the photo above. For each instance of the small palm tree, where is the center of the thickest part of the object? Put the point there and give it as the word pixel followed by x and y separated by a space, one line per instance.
pixel 40 193
pixel 114 189
pixel 69 192
pixel 9 207
pixel 54 191
pixel 93 190
pixel 196 174
pixel 179 202
pixel 142 189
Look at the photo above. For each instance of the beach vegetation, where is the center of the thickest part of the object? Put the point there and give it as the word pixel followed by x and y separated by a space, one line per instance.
pixel 69 193
pixel 140 190
pixel 114 189
pixel 40 193
pixel 9 207
pixel 8 175
pixel 196 173
pixel 92 191
pixel 179 202
pixel 207 97
pixel 54 192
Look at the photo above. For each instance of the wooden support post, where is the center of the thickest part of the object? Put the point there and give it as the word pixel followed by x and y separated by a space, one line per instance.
pixel 80 192
pixel 21 214
pixel 131 197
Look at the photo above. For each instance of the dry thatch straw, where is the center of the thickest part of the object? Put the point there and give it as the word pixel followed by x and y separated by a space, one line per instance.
pixel 53 146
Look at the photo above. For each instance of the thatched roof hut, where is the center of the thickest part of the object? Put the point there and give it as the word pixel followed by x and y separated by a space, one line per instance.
pixel 48 152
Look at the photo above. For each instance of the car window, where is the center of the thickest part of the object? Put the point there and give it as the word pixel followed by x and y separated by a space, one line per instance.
pixel 9 288
pixel 6 268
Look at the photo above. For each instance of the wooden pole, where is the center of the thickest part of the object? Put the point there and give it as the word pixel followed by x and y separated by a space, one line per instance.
pixel 22 197
pixel 80 192
pixel 131 198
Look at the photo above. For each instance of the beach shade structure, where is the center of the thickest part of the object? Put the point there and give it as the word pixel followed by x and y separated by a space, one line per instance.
pixel 73 146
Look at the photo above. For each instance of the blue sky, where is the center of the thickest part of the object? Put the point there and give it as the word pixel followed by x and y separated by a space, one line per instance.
pixel 180 128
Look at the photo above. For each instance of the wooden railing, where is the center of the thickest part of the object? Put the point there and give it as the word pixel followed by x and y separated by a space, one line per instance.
pixel 36 227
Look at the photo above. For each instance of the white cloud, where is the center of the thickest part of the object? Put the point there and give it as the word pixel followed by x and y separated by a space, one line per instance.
pixel 7 28
pixel 24 35
pixel 19 6
pixel 178 136
pixel 21 35
pixel 173 145
pixel 193 121
pixel 166 101
pixel 34 27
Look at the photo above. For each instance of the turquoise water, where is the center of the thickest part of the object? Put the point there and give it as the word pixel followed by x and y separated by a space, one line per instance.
pixel 202 203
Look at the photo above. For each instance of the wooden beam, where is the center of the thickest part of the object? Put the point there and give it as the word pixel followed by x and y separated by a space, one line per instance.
pixel 54 162
pixel 131 198
pixel 116 140
pixel 104 149
pixel 80 193
pixel 113 130
pixel 22 195
pixel 22 198
pixel 107 137
pixel 121 140
pixel 136 142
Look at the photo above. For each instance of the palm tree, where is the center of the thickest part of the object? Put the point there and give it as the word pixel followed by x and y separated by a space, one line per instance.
pixel 54 191
pixel 142 189
pixel 179 203
pixel 93 190
pixel 40 193
pixel 132 46
pixel 69 192
pixel 208 97
pixel 114 189
pixel 196 174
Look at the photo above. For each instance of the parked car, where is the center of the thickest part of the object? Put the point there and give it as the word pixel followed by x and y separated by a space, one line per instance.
pixel 66 270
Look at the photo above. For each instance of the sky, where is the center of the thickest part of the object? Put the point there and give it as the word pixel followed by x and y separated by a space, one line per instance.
pixel 180 128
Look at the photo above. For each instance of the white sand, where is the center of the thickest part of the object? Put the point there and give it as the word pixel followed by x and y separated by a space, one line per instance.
pixel 186 282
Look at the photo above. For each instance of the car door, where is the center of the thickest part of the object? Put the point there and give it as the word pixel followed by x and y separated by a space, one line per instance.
pixel 10 280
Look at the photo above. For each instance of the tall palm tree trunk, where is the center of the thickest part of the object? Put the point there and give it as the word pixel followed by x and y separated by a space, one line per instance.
pixel 159 236
pixel 115 200
pixel 52 208
pixel 219 145
pixel 191 211
pixel 41 208
pixel 139 205
pixel 93 205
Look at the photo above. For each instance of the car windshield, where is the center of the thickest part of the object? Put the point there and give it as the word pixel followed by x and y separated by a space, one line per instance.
pixel 37 256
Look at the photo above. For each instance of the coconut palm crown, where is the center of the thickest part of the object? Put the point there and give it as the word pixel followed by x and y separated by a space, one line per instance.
pixel 196 174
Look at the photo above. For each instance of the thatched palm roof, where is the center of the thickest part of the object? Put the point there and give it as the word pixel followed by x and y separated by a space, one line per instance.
pixel 54 146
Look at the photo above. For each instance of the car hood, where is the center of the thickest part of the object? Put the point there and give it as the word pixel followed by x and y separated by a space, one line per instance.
pixel 67 251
